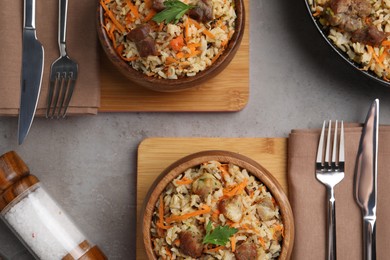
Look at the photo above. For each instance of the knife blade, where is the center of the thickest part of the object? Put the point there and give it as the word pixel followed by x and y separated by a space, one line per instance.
pixel 32 71
pixel 365 182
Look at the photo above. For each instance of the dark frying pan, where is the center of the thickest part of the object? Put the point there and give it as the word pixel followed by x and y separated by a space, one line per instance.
pixel 343 55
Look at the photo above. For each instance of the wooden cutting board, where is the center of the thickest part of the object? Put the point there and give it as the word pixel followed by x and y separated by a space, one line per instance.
pixel 155 154
pixel 228 91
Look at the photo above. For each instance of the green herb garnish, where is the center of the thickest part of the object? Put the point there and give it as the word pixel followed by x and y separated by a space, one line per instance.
pixel 174 10
pixel 219 236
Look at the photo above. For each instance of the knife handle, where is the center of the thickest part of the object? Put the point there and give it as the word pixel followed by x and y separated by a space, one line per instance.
pixel 331 243
pixel 29 14
pixel 62 21
pixel 369 238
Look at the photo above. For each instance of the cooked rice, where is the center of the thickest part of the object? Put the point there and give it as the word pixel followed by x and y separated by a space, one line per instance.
pixel 204 42
pixel 371 58
pixel 257 203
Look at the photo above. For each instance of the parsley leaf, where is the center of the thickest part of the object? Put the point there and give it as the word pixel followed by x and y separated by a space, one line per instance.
pixel 219 236
pixel 174 10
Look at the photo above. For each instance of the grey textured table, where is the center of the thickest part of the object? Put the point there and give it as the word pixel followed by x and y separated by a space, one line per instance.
pixel 88 164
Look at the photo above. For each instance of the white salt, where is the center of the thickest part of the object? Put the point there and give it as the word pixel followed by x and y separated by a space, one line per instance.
pixel 43 226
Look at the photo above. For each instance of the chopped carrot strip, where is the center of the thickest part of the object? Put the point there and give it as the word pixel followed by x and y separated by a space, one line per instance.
pixel 170 60
pixel 168 252
pixel 150 15
pixel 133 8
pixel 119 49
pixel 160 222
pixel 371 50
pixel 215 58
pixel 208 34
pixel 177 43
pixel 235 190
pixel 224 168
pixel 205 209
pixel 133 58
pixel 112 17
pixel 180 55
pixel 262 242
pixel 233 243
pixel 215 215
pixel 204 31
pixel 278 228
pixel 184 180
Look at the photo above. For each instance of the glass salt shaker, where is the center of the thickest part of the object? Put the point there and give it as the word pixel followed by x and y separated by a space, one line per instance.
pixel 36 218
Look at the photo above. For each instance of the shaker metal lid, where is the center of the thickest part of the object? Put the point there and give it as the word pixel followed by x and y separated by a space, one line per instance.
pixel 12 169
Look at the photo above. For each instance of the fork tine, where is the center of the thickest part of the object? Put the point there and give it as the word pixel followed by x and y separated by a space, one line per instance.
pixel 320 148
pixel 72 83
pixel 341 151
pixel 65 83
pixel 56 91
pixel 50 97
pixel 334 150
pixel 327 150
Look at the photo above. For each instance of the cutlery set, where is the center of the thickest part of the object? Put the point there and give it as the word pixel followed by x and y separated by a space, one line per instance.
pixel 330 172
pixel 63 73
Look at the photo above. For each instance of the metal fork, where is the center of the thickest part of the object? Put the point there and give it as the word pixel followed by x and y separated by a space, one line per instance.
pixel 331 173
pixel 63 72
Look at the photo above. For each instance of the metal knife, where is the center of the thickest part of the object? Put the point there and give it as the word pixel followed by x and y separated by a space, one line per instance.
pixel 32 70
pixel 365 186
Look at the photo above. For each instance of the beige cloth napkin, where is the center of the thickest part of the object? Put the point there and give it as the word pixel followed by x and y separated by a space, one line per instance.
pixel 308 197
pixel 81 45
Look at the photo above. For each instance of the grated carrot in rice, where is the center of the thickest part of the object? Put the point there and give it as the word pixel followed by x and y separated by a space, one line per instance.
pixel 132 8
pixel 205 209
pixel 235 190
pixel 233 243
pixel 112 17
pixel 184 180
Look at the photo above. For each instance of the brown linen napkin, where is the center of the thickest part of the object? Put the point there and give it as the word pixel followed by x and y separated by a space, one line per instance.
pixel 308 197
pixel 81 46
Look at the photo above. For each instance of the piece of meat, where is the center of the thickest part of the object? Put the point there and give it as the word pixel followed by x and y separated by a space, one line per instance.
pixel 205 185
pixel 196 13
pixel 231 208
pixel 139 33
pixel 202 12
pixel 348 15
pixel 207 7
pixel 358 8
pixel 190 244
pixel 146 47
pixel 265 213
pixel 351 25
pixel 340 6
pixel 143 41
pixel 246 251
pixel 361 8
pixel 158 5
pixel 369 35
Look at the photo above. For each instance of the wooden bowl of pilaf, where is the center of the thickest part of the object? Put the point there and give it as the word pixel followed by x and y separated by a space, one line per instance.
pixel 170 45
pixel 217 205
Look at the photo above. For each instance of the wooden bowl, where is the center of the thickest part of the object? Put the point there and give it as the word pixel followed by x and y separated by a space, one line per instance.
pixel 193 160
pixel 172 85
